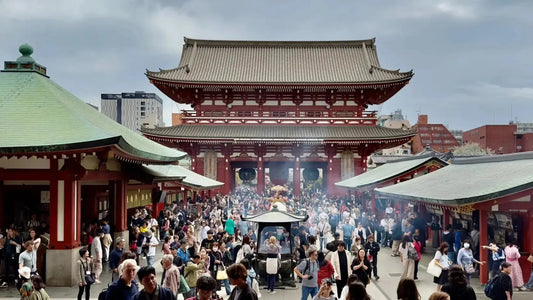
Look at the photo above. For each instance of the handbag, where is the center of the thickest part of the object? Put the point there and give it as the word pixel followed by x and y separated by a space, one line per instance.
pixel 433 269
pixel 469 268
pixel 89 278
pixel 184 287
pixel 411 253
pixel 221 273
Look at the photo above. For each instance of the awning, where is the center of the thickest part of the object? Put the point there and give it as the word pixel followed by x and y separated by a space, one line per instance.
pixel 387 171
pixel 186 177
pixel 468 181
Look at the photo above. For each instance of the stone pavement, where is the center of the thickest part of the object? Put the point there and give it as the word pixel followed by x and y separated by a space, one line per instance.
pixel 389 269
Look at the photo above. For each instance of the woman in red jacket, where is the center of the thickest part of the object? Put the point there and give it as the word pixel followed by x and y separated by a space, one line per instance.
pixel 325 268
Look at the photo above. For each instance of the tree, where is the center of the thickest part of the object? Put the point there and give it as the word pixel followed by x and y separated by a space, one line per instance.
pixel 471 149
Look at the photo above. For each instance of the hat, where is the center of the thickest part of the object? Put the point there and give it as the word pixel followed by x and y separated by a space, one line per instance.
pixel 25 272
pixel 119 239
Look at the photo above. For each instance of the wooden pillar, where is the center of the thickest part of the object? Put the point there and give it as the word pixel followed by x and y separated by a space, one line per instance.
pixel 446 219
pixel 296 178
pixel 121 218
pixel 260 176
pixel 483 240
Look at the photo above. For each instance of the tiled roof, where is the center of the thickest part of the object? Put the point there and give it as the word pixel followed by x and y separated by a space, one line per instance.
pixel 468 180
pixel 39 116
pixel 278 132
pixel 265 62
pixel 275 215
pixel 190 178
pixel 386 172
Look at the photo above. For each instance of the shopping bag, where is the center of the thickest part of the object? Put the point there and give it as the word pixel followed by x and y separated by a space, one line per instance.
pixel 433 269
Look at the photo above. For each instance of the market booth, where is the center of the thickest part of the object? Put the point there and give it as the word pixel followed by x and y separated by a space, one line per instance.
pixel 493 191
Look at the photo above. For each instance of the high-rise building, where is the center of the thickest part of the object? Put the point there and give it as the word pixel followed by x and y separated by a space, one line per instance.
pixel 134 110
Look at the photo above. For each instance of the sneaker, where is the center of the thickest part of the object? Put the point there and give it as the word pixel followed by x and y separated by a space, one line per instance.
pixel 3 285
pixel 523 288
pixel 272 292
pixel 377 277
pixel 97 281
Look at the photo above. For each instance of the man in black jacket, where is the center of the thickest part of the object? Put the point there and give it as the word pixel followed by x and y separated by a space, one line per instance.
pixel 372 247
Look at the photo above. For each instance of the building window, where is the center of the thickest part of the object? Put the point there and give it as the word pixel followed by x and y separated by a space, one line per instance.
pixel 143 102
pixel 279 113
pixel 437 141
pixel 143 114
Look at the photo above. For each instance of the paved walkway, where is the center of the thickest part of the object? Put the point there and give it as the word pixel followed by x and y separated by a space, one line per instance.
pixel 389 271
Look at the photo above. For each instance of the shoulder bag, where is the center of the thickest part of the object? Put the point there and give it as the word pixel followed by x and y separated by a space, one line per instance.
pixel 433 269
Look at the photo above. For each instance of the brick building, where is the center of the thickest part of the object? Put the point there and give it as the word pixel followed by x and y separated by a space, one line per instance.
pixel 501 139
pixel 435 136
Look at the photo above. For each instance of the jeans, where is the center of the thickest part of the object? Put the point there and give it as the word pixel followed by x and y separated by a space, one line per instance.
pixel 529 284
pixel 323 242
pixel 271 279
pixel 150 260
pixel 348 242
pixel 306 291
pixel 225 282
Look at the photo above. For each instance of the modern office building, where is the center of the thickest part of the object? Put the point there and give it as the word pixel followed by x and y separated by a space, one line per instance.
pixel 134 110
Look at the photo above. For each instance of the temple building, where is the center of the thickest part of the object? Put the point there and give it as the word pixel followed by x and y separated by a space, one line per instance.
pixel 278 108
pixel 70 165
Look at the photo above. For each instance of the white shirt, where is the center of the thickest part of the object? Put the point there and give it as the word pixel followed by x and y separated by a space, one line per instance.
pixel 203 235
pixel 152 245
pixel 96 248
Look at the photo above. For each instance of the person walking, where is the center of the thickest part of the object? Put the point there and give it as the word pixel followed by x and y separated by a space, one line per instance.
pixel 512 255
pixel 443 261
pixel 503 288
pixel 465 258
pixel 237 276
pixel 407 261
pixel 361 267
pixel 125 287
pixel 341 260
pixel 396 237
pixel 85 267
pixel 190 273
pixel 418 247
pixel 114 258
pixel 171 274
pixel 273 262
pixel 372 248
pixel 458 286
pixel 325 268
pixel 151 241
pixel 308 271
pixel 348 232
pixel 151 289
pixel 323 229
pixel 449 237
pixel 97 253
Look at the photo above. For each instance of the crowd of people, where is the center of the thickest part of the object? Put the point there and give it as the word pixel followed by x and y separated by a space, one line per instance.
pixel 207 246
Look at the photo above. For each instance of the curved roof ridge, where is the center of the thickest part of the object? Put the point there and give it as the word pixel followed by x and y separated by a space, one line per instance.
pixel 304 43
pixel 396 72
pixel 164 71
pixel 493 158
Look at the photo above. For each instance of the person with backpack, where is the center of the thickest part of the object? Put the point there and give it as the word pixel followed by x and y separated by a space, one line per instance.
pixel 308 271
pixel 408 256
pixel 500 287
pixel 496 258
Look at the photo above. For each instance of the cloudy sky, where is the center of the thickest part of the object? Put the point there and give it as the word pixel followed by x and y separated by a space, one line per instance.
pixel 473 60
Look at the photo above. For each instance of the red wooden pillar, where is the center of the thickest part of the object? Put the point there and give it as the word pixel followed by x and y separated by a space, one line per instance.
pixel 121 218
pixel 65 210
pixel 446 218
pixel 483 240
pixel 296 178
pixel 260 176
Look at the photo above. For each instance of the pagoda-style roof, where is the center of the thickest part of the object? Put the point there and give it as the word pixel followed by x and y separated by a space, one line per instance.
pixel 275 215
pixel 467 181
pixel 277 133
pixel 185 176
pixel 224 63
pixel 41 118
pixel 388 171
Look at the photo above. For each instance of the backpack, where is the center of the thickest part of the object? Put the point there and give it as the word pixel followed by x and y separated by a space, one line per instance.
pixel 411 253
pixel 491 287
pixel 102 294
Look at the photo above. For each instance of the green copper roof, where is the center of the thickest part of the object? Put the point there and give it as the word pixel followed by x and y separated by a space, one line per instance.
pixel 190 178
pixel 467 181
pixel 39 116
pixel 386 172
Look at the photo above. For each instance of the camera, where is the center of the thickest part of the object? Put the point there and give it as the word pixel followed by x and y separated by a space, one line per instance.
pixel 310 277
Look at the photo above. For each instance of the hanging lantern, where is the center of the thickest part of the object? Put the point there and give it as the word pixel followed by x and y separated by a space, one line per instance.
pixel 247 174
pixel 311 174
